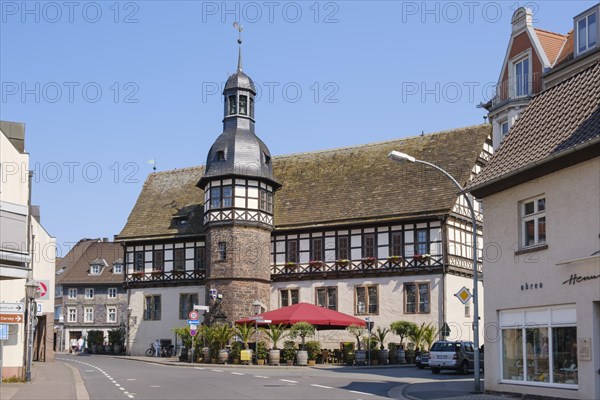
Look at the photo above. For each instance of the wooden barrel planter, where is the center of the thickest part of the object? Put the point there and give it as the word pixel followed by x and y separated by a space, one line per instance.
pixel 274 356
pixel 360 357
pixel 302 358
pixel 223 356
pixel 401 356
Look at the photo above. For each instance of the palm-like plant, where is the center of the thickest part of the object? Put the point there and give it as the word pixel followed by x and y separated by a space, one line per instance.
pixel 222 334
pixel 380 335
pixel 245 332
pixel 357 332
pixel 430 334
pixel 417 335
pixel 302 330
pixel 275 333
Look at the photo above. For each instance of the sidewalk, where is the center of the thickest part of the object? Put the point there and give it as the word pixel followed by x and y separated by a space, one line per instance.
pixel 49 380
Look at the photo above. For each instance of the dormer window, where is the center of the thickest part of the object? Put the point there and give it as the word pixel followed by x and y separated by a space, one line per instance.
pixel 522 77
pixel 244 105
pixel 95 269
pixel 220 155
pixel 267 159
pixel 232 105
pixel 117 268
pixel 587 32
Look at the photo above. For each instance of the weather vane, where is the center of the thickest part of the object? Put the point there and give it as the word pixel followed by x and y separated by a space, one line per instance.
pixel 239 28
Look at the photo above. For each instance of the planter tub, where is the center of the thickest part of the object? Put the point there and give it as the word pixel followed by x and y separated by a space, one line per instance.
pixel 274 357
pixel 302 358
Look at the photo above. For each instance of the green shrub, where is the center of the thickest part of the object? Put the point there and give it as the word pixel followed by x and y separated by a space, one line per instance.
pixel 289 350
pixel 261 351
pixel 95 337
pixel 236 350
pixel 313 349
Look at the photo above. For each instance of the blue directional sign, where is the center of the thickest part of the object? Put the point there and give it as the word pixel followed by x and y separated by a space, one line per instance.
pixel 192 322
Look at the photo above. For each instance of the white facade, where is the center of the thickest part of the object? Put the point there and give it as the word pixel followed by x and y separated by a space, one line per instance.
pixel 546 294
pixel 144 328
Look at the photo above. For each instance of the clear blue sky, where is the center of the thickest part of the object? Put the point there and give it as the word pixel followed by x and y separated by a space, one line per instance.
pixel 105 86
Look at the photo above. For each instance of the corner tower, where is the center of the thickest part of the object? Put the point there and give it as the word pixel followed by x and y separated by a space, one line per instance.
pixel 238 189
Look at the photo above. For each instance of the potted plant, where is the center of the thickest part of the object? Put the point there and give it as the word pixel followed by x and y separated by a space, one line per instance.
pixel 290 265
pixel 275 333
pixel 395 260
pixel 393 353
pixel 236 351
pixel 222 335
pixel 382 354
pixel 402 329
pixel 313 348
pixel 316 264
pixel 342 262
pixel 157 273
pixel 186 341
pixel 95 339
pixel 261 353
pixel 302 330
pixel 289 352
pixel 115 338
pixel 245 333
pixel 421 257
pixel 369 261
pixel 138 274
pixel 348 354
pixel 360 356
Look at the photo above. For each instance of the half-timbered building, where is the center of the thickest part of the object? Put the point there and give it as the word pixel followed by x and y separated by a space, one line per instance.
pixel 343 228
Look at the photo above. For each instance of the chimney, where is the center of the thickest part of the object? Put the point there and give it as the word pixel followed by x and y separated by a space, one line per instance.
pixel 105 239
pixel 521 18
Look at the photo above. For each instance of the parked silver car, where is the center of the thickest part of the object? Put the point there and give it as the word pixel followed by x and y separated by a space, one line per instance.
pixel 458 356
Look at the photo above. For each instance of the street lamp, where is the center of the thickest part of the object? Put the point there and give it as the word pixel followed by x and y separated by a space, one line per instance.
pixel 399 157
pixel 30 293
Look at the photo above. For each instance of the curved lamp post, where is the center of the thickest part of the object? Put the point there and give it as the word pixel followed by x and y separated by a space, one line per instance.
pixel 400 157
pixel 30 292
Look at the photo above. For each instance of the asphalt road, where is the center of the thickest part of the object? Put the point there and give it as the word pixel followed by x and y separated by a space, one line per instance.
pixel 115 378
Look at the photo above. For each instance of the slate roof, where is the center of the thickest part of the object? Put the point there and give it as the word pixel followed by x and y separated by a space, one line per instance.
pixel 332 187
pixel 76 264
pixel 562 118
pixel 551 42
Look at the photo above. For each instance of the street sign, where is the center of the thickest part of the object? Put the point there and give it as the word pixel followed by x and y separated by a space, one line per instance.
pixel 193 315
pixel 42 290
pixel 193 332
pixel 463 295
pixel 201 308
pixel 193 322
pixel 445 330
pixel 12 308
pixel 11 318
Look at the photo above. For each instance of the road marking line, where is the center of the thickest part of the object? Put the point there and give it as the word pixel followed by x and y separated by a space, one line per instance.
pixel 117 385
pixel 89 370
pixel 122 388
pixel 216 370
pixel 154 386
pixel 260 376
pixel 321 386
pixel 130 396
pixel 357 392
pixel 198 368
pixel 131 379
pixel 237 373
pixel 287 380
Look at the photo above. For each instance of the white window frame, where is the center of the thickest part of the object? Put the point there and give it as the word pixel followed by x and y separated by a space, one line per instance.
pixel 588 47
pixel 95 269
pixel 71 314
pixel 502 124
pixel 89 293
pixel 88 315
pixel 118 269
pixel 112 293
pixel 535 216
pixel 72 293
pixel 515 63
pixel 108 313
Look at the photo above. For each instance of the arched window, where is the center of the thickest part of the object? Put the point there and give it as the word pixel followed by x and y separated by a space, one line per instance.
pixel 244 105
pixel 232 105
pixel 251 107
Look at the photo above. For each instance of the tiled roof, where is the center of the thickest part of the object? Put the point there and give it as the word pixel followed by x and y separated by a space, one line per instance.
pixel 551 42
pixel 566 53
pixel 559 119
pixel 77 263
pixel 347 185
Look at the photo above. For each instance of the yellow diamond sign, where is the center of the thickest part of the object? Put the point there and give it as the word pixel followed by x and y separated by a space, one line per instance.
pixel 463 295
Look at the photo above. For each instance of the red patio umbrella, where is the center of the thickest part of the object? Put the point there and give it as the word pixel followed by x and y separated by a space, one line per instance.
pixel 323 318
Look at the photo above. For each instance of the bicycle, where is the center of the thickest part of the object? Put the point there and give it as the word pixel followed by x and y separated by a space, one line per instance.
pixel 164 351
